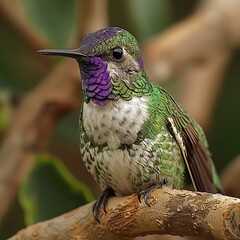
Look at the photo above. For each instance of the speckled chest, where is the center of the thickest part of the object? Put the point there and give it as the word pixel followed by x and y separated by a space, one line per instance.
pixel 119 122
pixel 104 130
pixel 109 150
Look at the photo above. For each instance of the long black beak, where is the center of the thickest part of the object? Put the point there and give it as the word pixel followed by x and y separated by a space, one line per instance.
pixel 71 53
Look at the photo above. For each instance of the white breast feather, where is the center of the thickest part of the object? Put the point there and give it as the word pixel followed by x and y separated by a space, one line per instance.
pixel 116 123
pixel 112 125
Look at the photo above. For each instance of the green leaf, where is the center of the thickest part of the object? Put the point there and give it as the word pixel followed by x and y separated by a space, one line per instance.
pixel 150 18
pixel 5 111
pixel 56 20
pixel 50 190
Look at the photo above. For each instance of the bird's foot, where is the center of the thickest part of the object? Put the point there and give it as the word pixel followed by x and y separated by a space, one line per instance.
pixel 102 200
pixel 146 193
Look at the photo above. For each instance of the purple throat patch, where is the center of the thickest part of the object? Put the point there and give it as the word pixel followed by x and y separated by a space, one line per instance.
pixel 96 80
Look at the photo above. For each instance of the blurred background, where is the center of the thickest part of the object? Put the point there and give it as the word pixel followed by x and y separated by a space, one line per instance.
pixel 189 47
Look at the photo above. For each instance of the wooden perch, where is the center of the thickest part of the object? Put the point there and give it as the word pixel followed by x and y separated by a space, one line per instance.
pixel 175 212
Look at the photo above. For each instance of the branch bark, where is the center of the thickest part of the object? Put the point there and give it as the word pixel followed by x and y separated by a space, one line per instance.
pixel 175 212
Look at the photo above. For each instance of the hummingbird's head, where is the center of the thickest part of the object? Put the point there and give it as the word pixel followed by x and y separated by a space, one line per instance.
pixel 111 66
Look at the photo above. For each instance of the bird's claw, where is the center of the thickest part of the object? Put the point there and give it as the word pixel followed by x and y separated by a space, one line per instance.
pixel 147 192
pixel 102 200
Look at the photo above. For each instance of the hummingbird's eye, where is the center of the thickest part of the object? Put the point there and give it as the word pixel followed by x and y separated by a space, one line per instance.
pixel 117 53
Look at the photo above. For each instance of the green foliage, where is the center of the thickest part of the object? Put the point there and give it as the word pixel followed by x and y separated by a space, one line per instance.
pixel 225 129
pixel 5 112
pixel 150 18
pixel 143 20
pixel 53 19
pixel 50 190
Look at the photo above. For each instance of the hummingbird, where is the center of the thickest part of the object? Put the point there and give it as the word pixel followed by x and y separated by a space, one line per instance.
pixel 134 137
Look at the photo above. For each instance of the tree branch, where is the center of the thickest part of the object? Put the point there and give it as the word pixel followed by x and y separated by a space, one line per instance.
pixel 12 12
pixel 90 8
pixel 211 29
pixel 201 84
pixel 32 124
pixel 199 49
pixel 56 95
pixel 175 212
pixel 231 178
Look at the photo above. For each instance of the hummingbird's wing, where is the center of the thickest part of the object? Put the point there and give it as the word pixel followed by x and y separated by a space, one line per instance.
pixel 192 142
pixel 195 154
